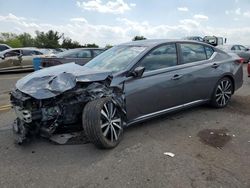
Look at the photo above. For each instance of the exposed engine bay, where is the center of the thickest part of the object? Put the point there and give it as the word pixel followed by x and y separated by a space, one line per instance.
pixel 54 104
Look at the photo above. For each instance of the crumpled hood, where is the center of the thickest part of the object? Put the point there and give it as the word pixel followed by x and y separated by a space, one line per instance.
pixel 52 81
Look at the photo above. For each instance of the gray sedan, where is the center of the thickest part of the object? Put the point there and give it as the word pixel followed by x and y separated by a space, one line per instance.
pixel 126 84
pixel 240 50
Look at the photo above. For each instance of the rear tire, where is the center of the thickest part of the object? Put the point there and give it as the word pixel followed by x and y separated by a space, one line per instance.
pixel 102 123
pixel 222 93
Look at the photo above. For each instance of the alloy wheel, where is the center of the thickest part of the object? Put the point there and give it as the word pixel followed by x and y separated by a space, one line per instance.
pixel 223 92
pixel 111 123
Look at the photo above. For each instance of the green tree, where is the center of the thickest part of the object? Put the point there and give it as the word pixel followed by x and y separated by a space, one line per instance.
pixel 139 38
pixel 48 40
pixel 108 46
pixel 26 40
pixel 91 46
pixel 10 39
pixel 14 43
pixel 68 43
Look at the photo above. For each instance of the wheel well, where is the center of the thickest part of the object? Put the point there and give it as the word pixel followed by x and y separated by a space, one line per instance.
pixel 232 79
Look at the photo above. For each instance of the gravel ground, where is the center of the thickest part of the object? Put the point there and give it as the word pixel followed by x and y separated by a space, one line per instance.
pixel 211 147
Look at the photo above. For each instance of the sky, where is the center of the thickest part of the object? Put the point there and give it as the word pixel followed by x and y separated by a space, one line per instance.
pixel 116 21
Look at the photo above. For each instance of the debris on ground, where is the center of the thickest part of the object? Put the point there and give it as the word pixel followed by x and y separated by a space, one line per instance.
pixel 214 137
pixel 169 154
pixel 70 138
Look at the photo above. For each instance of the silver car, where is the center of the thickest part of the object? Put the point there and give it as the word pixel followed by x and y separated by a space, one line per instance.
pixel 16 59
pixel 240 50
pixel 126 84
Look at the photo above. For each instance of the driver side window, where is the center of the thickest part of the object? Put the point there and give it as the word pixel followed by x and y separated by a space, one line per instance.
pixel 159 58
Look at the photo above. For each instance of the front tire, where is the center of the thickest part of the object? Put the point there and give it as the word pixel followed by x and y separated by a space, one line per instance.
pixel 222 93
pixel 102 123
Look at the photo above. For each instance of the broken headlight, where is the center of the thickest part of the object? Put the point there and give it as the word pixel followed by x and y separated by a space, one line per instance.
pixel 50 113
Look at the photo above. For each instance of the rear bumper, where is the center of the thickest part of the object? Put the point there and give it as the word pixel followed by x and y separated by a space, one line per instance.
pixel 238 78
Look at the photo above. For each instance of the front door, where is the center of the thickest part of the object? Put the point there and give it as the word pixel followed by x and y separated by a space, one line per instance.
pixel 160 87
pixel 11 61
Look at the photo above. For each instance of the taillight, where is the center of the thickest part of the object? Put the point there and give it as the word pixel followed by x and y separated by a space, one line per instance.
pixel 240 60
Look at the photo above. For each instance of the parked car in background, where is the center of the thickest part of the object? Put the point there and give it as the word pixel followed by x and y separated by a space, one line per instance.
pixel 78 55
pixel 196 38
pixel 15 59
pixel 48 52
pixel 126 84
pixel 4 47
pixel 240 50
pixel 214 40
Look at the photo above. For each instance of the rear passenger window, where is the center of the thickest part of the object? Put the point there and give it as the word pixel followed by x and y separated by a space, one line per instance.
pixel 209 51
pixel 192 53
pixel 84 54
pixel 235 48
pixel 27 52
pixel 161 57
pixel 37 53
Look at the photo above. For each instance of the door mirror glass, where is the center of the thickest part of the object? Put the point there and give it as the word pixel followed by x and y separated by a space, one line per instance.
pixel 137 72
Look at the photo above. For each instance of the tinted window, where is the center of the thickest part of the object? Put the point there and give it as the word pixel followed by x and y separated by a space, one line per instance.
pixel 161 57
pixel 84 54
pixel 235 48
pixel 209 51
pixel 192 53
pixel 2 48
pixel 37 52
pixel 27 52
pixel 12 53
pixel 97 52
pixel 75 53
pixel 243 48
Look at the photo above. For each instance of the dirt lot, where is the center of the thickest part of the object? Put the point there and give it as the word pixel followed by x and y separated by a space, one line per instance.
pixel 211 147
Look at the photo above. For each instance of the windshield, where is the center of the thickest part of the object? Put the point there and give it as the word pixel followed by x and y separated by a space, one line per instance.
pixel 115 59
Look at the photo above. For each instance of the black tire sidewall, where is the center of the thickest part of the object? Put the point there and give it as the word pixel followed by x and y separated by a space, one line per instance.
pixel 92 124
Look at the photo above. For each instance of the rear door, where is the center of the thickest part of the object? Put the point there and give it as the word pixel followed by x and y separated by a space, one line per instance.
pixel 27 58
pixel 199 70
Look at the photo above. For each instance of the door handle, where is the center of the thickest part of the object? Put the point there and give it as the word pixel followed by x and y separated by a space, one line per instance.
pixel 215 65
pixel 176 77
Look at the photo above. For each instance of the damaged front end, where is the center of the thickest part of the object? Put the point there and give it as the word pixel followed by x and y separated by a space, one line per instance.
pixel 46 106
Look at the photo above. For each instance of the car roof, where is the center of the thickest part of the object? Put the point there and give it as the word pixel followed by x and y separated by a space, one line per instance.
pixel 156 42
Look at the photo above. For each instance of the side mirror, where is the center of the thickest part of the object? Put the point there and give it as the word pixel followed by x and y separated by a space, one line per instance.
pixel 137 72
